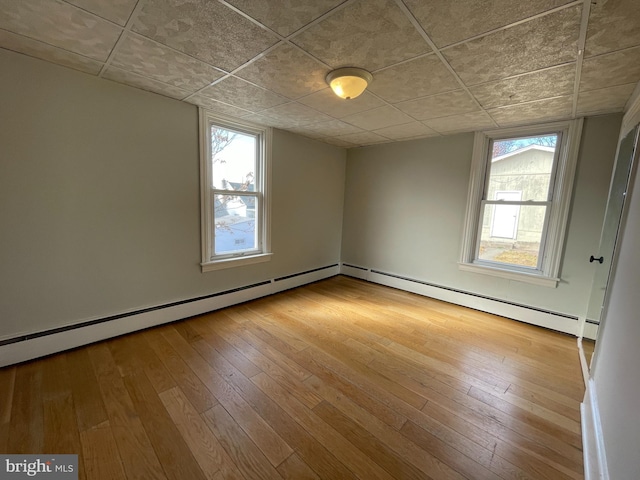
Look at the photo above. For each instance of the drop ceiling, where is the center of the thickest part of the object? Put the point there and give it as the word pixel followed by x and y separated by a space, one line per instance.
pixel 439 66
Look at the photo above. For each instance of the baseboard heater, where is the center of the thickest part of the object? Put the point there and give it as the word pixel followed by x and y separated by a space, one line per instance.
pixel 294 275
pixel 524 313
pixel 23 338
pixel 591 329
pixel 45 342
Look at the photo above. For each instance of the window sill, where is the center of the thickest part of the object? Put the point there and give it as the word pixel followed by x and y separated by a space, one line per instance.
pixel 235 262
pixel 510 275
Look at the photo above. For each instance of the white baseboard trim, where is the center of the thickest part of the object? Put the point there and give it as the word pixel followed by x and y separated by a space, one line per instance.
pixel 584 367
pixel 590 331
pixel 595 460
pixel 41 344
pixel 551 320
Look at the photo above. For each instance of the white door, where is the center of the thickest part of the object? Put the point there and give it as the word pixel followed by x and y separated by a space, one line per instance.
pixel 505 217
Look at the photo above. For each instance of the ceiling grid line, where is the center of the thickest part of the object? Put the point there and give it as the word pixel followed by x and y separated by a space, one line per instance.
pixel 251 19
pixel 237 69
pixel 320 19
pixel 437 52
pixel 283 40
pixel 125 30
pixel 519 75
pixel 408 60
pixel 48 44
pixel 582 39
pixel 514 24
pixel 93 14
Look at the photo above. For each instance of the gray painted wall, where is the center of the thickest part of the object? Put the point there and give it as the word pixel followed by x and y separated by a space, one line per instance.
pixel 405 207
pixel 100 206
pixel 615 370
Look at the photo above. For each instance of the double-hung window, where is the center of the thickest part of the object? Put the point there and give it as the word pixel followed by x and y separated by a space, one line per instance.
pixel 235 202
pixel 518 203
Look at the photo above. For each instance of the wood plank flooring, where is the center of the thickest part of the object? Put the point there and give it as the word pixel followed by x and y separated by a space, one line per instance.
pixel 339 379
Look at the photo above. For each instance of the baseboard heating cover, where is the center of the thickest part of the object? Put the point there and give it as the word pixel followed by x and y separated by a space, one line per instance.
pixel 38 344
pixel 542 318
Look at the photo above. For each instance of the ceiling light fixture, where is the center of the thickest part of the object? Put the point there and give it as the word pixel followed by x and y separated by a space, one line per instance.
pixel 349 82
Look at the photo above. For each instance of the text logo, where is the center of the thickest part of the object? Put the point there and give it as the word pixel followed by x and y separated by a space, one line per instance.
pixel 49 467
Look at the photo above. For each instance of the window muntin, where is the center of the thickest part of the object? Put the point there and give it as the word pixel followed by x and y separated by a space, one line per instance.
pixel 516 217
pixel 235 206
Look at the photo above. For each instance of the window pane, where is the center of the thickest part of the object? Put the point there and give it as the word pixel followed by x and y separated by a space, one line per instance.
pixel 522 165
pixel 235 223
pixel 512 234
pixel 233 156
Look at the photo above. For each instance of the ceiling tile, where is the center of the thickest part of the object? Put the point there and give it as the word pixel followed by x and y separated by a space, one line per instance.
pixel 363 138
pixel 207 30
pixel 286 71
pixel 449 22
pixel 217 107
pixel 159 62
pixel 332 128
pixel 61 25
pixel 605 99
pixel 338 142
pixel 285 16
pixel 461 123
pixel 413 79
pixel 328 102
pixel 241 94
pixel 540 43
pixel 369 34
pixel 531 86
pixel 118 11
pixel 611 69
pixel 135 80
pixel 295 114
pixel 442 105
pixel 613 25
pixel 407 130
pixel 304 132
pixel 381 117
pixel 266 121
pixel 523 72
pixel 549 109
pixel 44 51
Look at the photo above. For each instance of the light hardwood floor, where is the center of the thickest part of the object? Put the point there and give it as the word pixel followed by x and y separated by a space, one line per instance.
pixel 334 380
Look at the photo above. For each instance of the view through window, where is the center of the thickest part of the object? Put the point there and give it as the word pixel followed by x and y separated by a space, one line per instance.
pixel 516 200
pixel 234 158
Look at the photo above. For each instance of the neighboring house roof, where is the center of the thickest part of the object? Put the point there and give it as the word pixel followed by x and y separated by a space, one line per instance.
pixel 237 186
pixel 250 202
pixel 523 150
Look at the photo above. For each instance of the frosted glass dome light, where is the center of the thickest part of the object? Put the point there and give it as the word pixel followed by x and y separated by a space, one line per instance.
pixel 350 82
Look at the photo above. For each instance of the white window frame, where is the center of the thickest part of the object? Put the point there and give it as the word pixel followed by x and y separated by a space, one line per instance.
pixel 262 179
pixel 546 274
